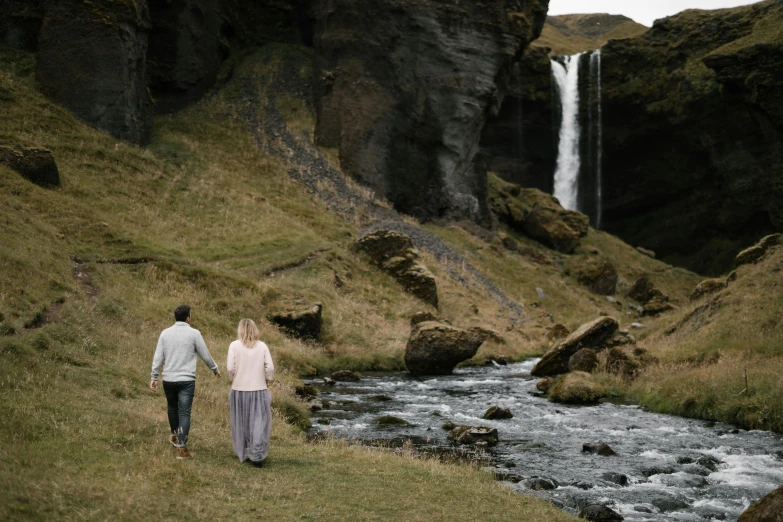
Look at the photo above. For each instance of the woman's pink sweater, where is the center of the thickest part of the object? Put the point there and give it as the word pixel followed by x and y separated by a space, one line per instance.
pixel 249 369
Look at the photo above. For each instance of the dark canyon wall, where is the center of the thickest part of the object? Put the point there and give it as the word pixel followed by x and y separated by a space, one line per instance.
pixel 405 88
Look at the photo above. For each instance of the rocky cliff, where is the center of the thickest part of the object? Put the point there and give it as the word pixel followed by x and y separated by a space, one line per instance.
pixel 693 116
pixel 405 102
pixel 577 33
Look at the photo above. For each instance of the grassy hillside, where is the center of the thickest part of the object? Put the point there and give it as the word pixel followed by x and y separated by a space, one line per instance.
pixel 92 271
pixel 576 33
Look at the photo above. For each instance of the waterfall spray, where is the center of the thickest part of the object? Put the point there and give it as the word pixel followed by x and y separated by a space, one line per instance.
pixel 595 66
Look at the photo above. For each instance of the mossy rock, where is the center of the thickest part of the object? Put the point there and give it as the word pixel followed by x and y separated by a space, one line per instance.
pixel 498 412
pixel 594 272
pixel 390 420
pixel 478 435
pixel 577 388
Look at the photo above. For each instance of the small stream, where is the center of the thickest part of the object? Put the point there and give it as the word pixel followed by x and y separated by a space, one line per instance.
pixel 677 469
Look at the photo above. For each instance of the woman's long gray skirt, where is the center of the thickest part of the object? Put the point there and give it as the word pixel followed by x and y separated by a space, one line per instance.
pixel 251 423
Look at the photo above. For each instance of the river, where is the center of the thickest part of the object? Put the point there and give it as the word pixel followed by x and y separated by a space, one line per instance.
pixel 677 468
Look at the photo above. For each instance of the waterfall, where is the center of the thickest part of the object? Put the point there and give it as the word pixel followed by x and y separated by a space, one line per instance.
pixel 566 78
pixel 595 72
pixel 578 175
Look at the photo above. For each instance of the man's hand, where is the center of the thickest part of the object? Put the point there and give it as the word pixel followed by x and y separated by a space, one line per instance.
pixel 217 374
pixel 154 386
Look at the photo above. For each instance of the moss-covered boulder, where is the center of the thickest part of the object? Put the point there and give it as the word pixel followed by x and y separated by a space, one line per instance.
pixel 643 290
pixel 346 376
pixel 656 306
pixel 577 388
pixel 591 335
pixel 594 272
pixel 304 323
pixel 537 215
pixel 546 384
pixel 710 286
pixel 478 435
pixel 498 413
pixel 393 253
pixel 598 513
pixel 768 509
pixel 390 420
pixel 759 250
pixel 585 360
pixel 435 348
pixel 35 165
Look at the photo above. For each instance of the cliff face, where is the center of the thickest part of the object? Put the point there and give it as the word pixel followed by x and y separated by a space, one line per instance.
pixel 570 34
pixel 405 89
pixel 693 117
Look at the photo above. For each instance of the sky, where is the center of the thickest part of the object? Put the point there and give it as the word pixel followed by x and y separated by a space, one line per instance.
pixel 643 11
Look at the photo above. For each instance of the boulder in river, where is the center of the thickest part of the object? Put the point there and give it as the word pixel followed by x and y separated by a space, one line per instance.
pixel 495 359
pixel 346 376
pixel 480 435
pixel 390 420
pixel 591 335
pixel 545 384
pixel 598 448
pixel 542 484
pixel 436 348
pixel 615 478
pixel 598 513
pixel 768 509
pixel 498 412
pixel 577 388
pixel 393 253
pixel 585 360
pixel 303 323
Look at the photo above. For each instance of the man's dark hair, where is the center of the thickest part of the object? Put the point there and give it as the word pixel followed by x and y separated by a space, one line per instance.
pixel 182 313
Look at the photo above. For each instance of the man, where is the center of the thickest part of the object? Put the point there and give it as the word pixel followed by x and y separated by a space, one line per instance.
pixel 177 348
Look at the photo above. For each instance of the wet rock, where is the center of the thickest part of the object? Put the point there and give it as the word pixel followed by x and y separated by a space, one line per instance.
pixel 709 462
pixel 583 485
pixel 644 251
pixel 597 513
pixel 315 405
pixel 544 385
pixel 474 435
pixel 421 317
pixel 302 324
pixel 495 360
pixel 667 504
pixel 390 420
pixel 393 253
pixel 537 215
pixel 590 335
pixel 615 478
pixel 585 360
pixel 642 509
pixel 448 426
pixel 328 381
pixel 768 509
pixel 577 388
pixel 436 348
pixel 596 273
pixel 380 398
pixel 505 476
pixel 759 250
pixel 487 334
pixel 542 484
pixel 598 448
pixel 658 470
pixel 346 376
pixel 498 412
pixel 324 422
pixel 35 165
pixel 92 61
pixel 709 286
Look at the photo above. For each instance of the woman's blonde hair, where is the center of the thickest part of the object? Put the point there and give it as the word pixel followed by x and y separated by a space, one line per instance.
pixel 248 333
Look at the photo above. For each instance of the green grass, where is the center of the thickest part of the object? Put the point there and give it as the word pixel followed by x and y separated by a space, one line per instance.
pixel 562 44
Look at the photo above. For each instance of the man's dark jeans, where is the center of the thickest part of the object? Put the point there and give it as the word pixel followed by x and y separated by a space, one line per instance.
pixel 179 396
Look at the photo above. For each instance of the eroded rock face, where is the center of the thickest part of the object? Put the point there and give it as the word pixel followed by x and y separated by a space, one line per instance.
pixel 768 509
pixel 591 335
pixel 405 102
pixel 20 22
pixel 91 59
pixel 693 123
pixel 393 253
pixel 537 215
pixel 35 165
pixel 436 348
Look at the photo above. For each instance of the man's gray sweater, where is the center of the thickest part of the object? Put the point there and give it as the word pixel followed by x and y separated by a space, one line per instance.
pixel 177 349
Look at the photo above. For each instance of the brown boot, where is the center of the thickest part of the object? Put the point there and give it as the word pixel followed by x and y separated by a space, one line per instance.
pixel 183 453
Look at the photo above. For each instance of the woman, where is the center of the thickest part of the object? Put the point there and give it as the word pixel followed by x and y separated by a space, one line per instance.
pixel 250 369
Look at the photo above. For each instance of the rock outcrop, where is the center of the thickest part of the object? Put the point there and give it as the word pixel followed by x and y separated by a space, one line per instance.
pixel 302 323
pixel 35 165
pixel 478 435
pixel 436 348
pixel 91 59
pixel 759 250
pixel 693 118
pixel 585 360
pixel 537 215
pixel 406 102
pixel 596 273
pixel 393 253
pixel 591 335
pixel 768 509
pixel 20 23
pixel 597 513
